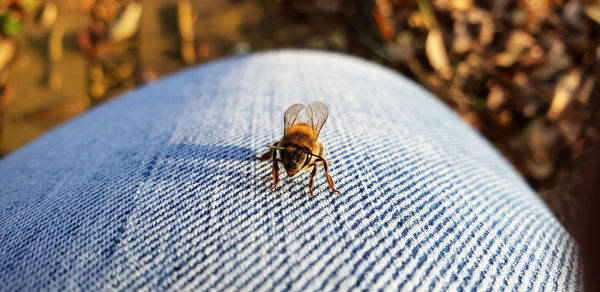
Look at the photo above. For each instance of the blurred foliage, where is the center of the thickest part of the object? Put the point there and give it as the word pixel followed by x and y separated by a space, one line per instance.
pixel 523 72
pixel 9 26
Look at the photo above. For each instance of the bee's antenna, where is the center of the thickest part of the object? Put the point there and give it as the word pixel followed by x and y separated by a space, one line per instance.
pixel 315 155
pixel 275 147
pixel 320 157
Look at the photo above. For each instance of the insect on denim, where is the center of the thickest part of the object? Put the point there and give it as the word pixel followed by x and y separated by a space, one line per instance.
pixel 158 190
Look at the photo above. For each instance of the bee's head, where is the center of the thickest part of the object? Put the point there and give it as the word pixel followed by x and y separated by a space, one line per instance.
pixel 294 158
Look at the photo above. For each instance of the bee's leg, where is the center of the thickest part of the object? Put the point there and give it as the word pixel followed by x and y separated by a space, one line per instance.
pixel 329 179
pixel 310 182
pixel 266 156
pixel 275 173
pixel 271 178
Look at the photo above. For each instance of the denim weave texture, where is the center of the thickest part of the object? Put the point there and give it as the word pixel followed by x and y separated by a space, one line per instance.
pixel 157 190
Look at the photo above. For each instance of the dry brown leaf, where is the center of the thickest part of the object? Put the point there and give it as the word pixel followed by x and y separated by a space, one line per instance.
pixel 416 20
pixel 486 33
pixel 565 89
pixel 521 79
pixel 106 10
pixel 384 7
pixel 593 12
pixel 55 44
pixel 48 17
pixel 533 56
pixel 505 118
pixel 506 59
pixel 7 95
pixel 586 90
pixel 188 52
pixel 381 14
pixel 385 27
pixel 495 98
pixel 87 5
pixel 463 69
pixel 126 25
pixel 461 4
pixel 436 53
pixel 557 60
pixel 572 12
pixel 8 48
pixel 569 130
pixel 462 40
pixel 55 77
pixel 441 4
pixel 185 20
pixel 537 11
pixel 519 41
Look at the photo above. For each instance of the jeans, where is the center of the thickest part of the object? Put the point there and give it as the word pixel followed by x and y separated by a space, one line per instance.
pixel 158 190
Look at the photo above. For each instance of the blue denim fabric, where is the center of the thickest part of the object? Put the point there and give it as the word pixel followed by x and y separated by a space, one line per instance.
pixel 158 191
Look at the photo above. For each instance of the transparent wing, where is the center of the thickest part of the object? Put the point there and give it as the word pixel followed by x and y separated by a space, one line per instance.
pixel 318 113
pixel 293 115
pixel 315 115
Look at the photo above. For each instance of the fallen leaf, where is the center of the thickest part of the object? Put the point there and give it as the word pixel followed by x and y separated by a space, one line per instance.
pixel 586 90
pixel 436 53
pixel 495 97
pixel 7 95
pixel 461 4
pixel 381 14
pixel 557 61
pixel 569 130
pixel 537 11
pixel 486 32
pixel 48 17
pixel 126 25
pixel 593 12
pixel 505 118
pixel 8 49
pixel 185 20
pixel 416 20
pixel 518 41
pixel 462 40
pixel 563 93
pixel 534 56
pixel 385 27
pixel 55 43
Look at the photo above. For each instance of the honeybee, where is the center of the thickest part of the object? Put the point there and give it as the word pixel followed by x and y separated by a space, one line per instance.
pixel 300 149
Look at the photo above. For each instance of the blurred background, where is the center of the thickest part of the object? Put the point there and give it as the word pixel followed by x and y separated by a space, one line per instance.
pixel 524 73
